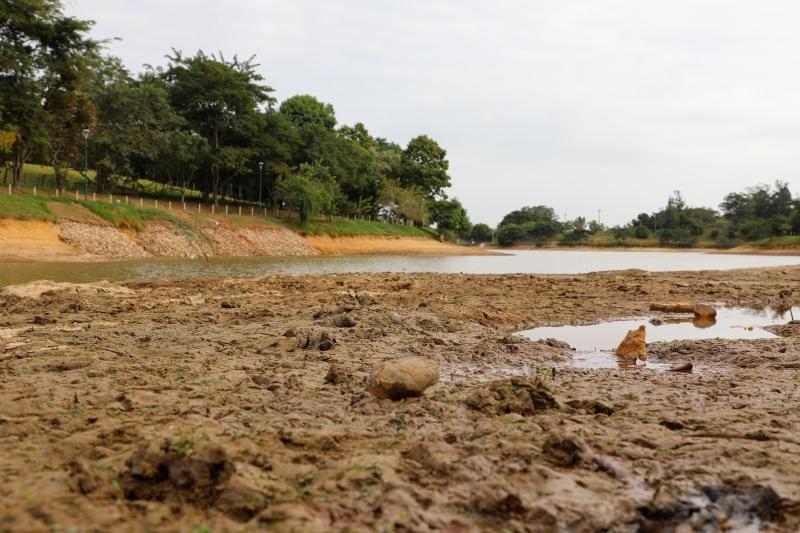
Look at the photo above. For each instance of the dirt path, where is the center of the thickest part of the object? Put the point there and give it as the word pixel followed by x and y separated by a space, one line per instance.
pixel 188 406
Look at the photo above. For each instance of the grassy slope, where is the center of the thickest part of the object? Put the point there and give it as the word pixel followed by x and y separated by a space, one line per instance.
pixel 131 216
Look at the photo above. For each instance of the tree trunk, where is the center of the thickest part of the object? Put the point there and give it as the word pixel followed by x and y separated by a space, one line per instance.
pixel 215 167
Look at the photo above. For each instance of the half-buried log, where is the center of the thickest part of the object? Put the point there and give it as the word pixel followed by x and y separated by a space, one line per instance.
pixel 699 310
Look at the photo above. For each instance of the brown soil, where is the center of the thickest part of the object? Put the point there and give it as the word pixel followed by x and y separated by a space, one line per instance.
pixel 376 245
pixel 28 240
pixel 184 405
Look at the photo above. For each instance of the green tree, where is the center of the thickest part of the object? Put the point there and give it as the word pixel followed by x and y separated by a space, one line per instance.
pixel 306 193
pixel 424 166
pixel 450 217
pixel 481 233
pixel 41 52
pixel 220 100
pixel 538 213
pixel 509 234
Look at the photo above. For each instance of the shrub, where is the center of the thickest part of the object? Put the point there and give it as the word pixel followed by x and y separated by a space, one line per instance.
pixel 641 232
pixel 510 234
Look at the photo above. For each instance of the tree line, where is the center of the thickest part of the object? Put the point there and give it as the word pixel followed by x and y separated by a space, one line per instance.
pixel 759 212
pixel 202 122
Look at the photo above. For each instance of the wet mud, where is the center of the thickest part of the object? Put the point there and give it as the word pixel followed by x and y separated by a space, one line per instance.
pixel 236 405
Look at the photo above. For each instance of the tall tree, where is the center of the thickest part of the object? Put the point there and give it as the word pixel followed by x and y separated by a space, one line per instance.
pixel 424 166
pixel 41 51
pixel 220 99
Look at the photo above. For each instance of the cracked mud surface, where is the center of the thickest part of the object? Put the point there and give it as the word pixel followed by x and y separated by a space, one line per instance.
pixel 168 406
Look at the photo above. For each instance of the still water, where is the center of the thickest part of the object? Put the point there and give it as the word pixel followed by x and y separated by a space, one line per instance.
pixel 594 344
pixel 528 261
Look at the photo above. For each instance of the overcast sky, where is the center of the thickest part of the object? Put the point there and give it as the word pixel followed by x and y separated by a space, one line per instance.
pixel 579 105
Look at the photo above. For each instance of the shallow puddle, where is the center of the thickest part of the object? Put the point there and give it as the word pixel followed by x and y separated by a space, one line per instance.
pixel 594 344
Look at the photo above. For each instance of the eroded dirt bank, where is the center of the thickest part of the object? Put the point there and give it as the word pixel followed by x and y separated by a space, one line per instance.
pixel 170 406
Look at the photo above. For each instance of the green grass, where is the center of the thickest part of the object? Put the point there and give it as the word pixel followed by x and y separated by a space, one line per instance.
pixel 342 227
pixel 23 207
pixel 787 240
pixel 128 216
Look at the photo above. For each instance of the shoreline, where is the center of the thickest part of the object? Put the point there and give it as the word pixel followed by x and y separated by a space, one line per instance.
pixel 738 250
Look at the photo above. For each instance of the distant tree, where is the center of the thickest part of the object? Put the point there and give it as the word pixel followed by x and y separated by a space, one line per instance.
pixel 400 203
pixel 220 100
pixel 309 192
pixel 41 58
pixel 509 234
pixel 424 166
pixel 306 111
pixel 641 232
pixel 481 233
pixel 450 216
pixel 538 213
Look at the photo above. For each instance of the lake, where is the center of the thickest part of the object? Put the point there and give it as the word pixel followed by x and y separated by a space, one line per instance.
pixel 526 261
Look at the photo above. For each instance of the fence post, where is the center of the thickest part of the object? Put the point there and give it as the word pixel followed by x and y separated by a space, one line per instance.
pixel 126 200
pixel 76 192
pixel 198 206
pixel 251 210
pixel 226 209
pixel 156 204
pixel 9 190
pixel 184 206
pixel 240 210
pixel 141 202
pixel 110 198
pixel 212 209
pixel 34 190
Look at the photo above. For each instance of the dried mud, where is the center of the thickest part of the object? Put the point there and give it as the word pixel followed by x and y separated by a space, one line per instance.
pixel 233 405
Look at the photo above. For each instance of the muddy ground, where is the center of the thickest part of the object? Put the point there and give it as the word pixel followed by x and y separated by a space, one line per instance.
pixel 188 406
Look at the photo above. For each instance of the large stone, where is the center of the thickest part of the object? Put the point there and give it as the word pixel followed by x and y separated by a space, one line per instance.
pixel 633 346
pixel 400 378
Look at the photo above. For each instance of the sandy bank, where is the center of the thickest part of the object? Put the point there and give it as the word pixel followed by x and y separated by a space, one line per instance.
pixel 81 236
pixel 378 245
pixel 26 240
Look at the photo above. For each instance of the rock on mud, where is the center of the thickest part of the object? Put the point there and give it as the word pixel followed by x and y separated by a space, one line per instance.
pixel 633 346
pixel 401 378
pixel 319 340
pixel 521 395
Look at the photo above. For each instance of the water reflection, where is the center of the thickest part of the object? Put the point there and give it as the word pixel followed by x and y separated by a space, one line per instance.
pixel 594 344
pixel 527 261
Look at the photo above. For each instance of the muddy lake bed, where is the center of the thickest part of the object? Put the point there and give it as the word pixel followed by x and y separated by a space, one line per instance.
pixel 172 400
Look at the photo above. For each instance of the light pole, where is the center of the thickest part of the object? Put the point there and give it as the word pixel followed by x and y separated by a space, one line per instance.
pixel 260 168
pixel 85 163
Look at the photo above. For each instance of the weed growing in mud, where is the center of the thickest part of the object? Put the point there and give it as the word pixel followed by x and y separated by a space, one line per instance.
pixel 200 529
pixel 303 488
pixel 184 444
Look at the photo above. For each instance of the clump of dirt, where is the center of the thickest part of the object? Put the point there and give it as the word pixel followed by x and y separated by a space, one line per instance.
pixel 521 395
pixel 739 507
pixel 176 470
